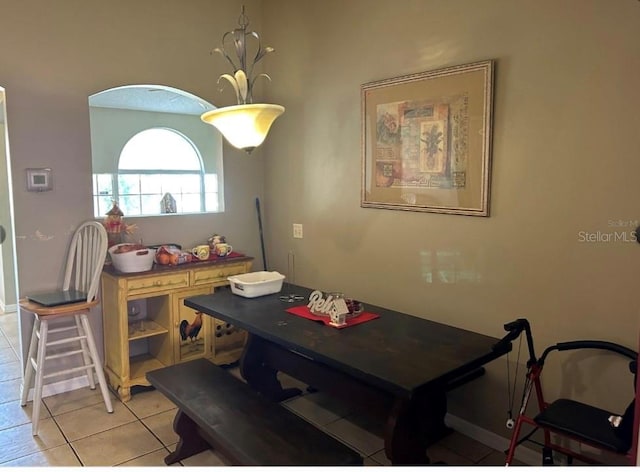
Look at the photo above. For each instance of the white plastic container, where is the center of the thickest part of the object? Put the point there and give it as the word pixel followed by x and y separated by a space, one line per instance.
pixel 256 284
pixel 137 260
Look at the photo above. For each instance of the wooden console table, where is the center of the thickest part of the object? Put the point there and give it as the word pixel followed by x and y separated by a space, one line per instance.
pixel 160 331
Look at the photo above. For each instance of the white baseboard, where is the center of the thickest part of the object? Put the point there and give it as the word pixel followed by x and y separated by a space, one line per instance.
pixel 8 308
pixel 492 440
pixel 62 386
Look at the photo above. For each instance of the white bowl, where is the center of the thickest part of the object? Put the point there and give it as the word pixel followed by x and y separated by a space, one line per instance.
pixel 256 284
pixel 138 260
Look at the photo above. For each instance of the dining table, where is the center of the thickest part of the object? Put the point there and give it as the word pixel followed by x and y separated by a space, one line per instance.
pixel 395 364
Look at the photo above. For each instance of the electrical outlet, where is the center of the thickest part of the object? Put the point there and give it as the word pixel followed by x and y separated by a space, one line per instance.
pixel 297 230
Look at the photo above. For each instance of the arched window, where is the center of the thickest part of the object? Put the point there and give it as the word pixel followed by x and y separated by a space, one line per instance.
pixel 160 172
pixel 152 154
pixel 159 148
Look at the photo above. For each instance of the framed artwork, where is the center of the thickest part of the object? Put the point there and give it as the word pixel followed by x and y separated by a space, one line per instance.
pixel 426 141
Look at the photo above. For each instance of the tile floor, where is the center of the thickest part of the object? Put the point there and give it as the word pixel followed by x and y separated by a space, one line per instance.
pixel 76 430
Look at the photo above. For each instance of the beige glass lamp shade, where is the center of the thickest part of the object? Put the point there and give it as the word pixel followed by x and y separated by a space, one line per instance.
pixel 244 126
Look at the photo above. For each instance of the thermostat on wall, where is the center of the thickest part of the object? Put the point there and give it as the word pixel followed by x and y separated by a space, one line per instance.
pixel 39 180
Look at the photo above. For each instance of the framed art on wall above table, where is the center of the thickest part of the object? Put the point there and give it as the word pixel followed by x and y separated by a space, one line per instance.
pixel 426 141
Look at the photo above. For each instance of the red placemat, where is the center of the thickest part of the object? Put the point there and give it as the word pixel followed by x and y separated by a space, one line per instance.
pixel 304 312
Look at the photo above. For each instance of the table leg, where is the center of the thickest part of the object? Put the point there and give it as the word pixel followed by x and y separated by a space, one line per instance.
pixel 190 442
pixel 413 425
pixel 260 376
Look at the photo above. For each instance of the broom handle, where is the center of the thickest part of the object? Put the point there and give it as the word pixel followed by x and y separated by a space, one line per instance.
pixel 264 256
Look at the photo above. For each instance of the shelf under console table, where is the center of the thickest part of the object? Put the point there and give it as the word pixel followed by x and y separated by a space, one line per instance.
pixel 146 325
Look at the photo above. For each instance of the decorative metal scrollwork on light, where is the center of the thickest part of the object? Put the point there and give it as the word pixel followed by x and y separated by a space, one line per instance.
pixel 246 124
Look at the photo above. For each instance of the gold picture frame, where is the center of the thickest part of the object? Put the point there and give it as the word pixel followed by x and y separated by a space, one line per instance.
pixel 426 141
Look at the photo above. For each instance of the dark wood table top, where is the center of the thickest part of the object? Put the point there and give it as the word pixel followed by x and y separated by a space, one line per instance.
pixel 398 353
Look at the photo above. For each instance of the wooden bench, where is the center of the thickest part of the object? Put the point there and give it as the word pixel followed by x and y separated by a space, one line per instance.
pixel 218 411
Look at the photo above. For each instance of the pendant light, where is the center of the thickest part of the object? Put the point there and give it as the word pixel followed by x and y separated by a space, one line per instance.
pixel 245 125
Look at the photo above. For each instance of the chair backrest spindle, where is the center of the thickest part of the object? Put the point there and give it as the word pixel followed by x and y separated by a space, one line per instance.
pixel 86 257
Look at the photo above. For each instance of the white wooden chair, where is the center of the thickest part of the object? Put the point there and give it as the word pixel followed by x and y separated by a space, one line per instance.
pixel 84 265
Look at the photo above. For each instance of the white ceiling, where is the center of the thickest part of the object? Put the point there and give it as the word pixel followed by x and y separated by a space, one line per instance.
pixel 156 98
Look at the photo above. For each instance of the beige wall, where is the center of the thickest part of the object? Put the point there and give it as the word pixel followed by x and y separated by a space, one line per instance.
pixel 7 266
pixel 565 160
pixel 53 56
